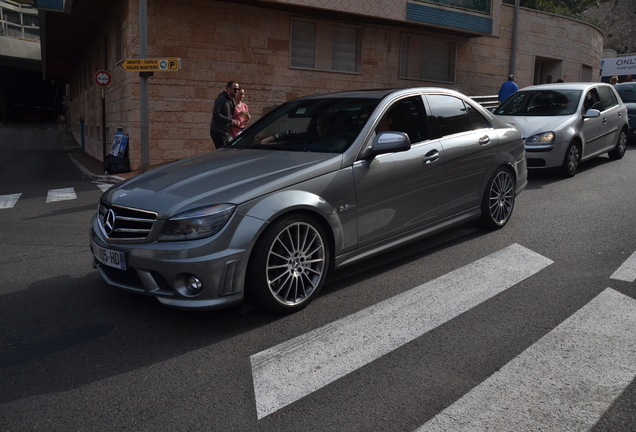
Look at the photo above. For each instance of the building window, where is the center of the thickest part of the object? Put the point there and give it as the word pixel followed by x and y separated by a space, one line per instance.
pixel 586 73
pixel 427 58
pixel 482 6
pixel 325 46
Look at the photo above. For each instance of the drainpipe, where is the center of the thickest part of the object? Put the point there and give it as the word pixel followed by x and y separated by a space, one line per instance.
pixel 143 85
pixel 515 30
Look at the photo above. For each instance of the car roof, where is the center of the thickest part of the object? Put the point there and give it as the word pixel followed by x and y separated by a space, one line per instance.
pixel 380 93
pixel 565 86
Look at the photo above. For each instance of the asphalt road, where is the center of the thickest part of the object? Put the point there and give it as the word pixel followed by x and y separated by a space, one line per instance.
pixel 532 327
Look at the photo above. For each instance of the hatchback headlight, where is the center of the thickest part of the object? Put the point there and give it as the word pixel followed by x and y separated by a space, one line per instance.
pixel 198 223
pixel 541 139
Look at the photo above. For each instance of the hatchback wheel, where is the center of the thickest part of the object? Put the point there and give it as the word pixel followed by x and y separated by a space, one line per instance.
pixel 571 161
pixel 289 264
pixel 621 145
pixel 499 199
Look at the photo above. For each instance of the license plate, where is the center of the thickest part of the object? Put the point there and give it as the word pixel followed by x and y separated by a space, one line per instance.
pixel 109 257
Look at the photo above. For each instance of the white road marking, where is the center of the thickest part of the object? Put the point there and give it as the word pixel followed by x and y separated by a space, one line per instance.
pixel 627 271
pixel 289 371
pixel 564 382
pixel 8 201
pixel 61 195
pixel 104 186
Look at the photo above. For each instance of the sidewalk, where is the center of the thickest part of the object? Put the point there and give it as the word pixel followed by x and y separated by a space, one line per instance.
pixel 90 166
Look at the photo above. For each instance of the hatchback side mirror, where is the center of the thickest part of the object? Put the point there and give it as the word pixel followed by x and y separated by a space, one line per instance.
pixel 592 113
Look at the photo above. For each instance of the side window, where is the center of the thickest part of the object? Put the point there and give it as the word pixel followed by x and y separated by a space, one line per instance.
pixel 477 120
pixel 408 116
pixel 592 101
pixel 608 99
pixel 450 115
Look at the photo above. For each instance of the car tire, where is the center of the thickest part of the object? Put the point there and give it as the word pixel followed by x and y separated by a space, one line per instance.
pixel 621 145
pixel 289 264
pixel 571 161
pixel 499 199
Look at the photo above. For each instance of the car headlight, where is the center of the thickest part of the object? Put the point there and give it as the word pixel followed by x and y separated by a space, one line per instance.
pixel 197 223
pixel 541 139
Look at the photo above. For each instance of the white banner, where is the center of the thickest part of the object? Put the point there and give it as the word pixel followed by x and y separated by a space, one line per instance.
pixel 620 66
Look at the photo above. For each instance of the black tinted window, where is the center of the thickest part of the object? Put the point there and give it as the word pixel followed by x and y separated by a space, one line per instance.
pixel 627 92
pixel 408 116
pixel 450 115
pixel 477 119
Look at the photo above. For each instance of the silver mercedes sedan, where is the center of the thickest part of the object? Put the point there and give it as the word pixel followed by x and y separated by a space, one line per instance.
pixel 564 124
pixel 318 183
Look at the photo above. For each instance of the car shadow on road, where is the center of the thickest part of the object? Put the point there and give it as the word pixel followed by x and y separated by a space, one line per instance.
pixel 63 333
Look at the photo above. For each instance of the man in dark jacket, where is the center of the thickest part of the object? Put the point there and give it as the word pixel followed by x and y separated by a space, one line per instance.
pixel 222 115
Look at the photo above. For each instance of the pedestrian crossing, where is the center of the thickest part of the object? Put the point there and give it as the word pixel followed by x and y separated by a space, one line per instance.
pixel 53 195
pixel 565 381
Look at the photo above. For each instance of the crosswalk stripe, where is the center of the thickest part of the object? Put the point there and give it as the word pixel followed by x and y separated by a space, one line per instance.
pixel 296 368
pixel 61 195
pixel 8 201
pixel 103 186
pixel 627 271
pixel 564 382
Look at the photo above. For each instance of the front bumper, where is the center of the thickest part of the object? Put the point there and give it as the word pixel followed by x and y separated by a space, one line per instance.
pixel 162 269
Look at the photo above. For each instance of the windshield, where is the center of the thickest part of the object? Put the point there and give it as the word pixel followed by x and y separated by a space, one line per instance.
pixel 318 125
pixel 541 103
pixel 627 92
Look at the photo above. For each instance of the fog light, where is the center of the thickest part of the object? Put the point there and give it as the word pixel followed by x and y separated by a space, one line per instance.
pixel 194 285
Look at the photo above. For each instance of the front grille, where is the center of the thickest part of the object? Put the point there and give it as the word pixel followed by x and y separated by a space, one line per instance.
pixel 123 223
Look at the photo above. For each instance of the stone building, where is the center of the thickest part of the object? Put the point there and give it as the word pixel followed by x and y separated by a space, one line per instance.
pixel 280 49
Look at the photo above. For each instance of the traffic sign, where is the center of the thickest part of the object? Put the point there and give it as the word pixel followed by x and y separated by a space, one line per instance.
pixel 102 78
pixel 152 65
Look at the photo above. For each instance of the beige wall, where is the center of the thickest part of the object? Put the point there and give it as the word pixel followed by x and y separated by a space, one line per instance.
pixel 216 44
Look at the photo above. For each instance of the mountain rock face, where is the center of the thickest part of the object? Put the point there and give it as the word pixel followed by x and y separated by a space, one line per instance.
pixel 618 22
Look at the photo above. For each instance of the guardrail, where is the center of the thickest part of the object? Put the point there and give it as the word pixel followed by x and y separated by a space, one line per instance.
pixel 488 102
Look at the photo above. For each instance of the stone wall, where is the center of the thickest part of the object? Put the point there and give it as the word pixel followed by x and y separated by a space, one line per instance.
pixel 618 22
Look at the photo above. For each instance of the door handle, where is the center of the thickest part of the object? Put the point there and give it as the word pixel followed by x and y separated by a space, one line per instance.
pixel 431 156
pixel 484 140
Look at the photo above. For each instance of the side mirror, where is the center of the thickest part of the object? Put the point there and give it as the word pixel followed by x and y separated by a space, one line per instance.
pixel 592 113
pixel 389 142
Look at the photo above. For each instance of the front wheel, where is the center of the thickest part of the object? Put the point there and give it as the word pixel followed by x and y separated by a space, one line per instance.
pixel 289 264
pixel 621 145
pixel 499 199
pixel 571 161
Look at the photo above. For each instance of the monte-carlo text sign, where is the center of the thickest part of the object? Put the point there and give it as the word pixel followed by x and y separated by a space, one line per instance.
pixel 152 65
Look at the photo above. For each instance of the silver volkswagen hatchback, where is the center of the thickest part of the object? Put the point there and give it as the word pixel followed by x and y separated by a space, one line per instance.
pixel 320 182
pixel 566 123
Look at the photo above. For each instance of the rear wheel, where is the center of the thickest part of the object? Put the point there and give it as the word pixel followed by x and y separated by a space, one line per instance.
pixel 621 145
pixel 499 199
pixel 571 161
pixel 289 264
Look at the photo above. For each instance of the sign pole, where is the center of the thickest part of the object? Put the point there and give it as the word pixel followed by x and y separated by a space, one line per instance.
pixel 102 78
pixel 104 126
pixel 143 89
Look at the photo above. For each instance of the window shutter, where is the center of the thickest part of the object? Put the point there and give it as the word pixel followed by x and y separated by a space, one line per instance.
pixel 344 49
pixel 435 60
pixel 303 44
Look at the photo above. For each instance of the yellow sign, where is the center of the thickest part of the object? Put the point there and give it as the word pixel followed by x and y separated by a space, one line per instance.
pixel 152 65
